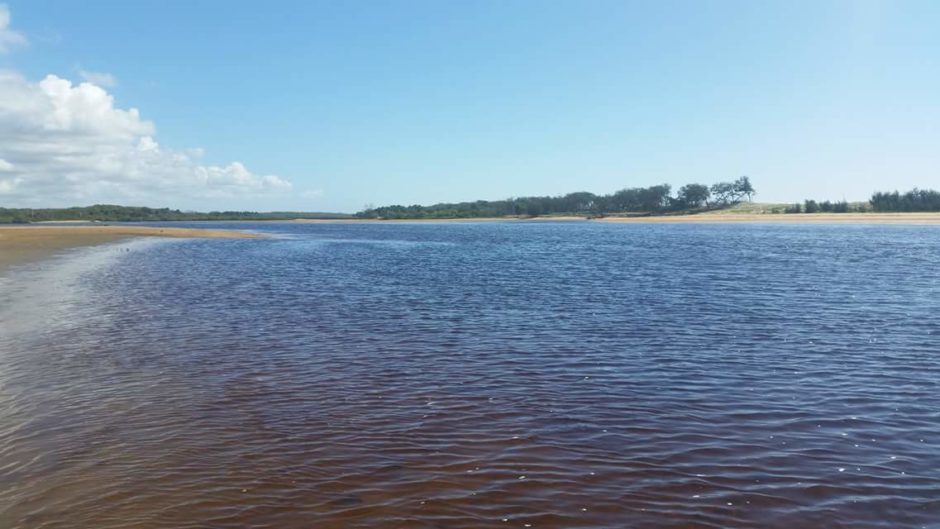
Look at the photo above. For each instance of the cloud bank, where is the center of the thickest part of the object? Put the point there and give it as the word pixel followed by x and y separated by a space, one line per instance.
pixel 63 144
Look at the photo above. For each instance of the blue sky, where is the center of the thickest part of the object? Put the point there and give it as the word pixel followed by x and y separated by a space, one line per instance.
pixel 418 102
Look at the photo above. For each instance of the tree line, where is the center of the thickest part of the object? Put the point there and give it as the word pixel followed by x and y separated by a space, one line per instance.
pixel 812 206
pixel 653 200
pixel 111 213
pixel 657 199
pixel 915 200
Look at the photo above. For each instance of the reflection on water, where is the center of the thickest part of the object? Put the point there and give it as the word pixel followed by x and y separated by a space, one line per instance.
pixel 478 375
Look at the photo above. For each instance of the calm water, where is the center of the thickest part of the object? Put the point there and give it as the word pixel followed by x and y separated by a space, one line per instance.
pixel 477 375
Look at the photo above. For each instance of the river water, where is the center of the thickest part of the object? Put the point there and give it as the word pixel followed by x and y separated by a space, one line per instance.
pixel 473 375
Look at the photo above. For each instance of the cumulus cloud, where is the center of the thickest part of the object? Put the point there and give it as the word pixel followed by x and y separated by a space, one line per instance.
pixel 67 143
pixel 64 143
pixel 102 79
pixel 9 39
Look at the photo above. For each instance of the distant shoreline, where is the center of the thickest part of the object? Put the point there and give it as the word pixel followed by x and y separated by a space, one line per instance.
pixel 788 218
pixel 703 218
pixel 22 244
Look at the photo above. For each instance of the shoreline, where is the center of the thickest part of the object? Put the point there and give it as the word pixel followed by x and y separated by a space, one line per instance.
pixel 703 218
pixel 23 244
pixel 788 218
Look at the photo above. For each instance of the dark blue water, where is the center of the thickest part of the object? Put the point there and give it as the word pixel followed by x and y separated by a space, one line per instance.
pixel 471 375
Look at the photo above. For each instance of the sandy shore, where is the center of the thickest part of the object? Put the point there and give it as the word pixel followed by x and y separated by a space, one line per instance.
pixel 387 221
pixel 19 244
pixel 703 218
pixel 783 218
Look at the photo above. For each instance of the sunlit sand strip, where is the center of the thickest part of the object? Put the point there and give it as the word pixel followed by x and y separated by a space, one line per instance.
pixel 20 244
pixel 702 218
pixel 784 218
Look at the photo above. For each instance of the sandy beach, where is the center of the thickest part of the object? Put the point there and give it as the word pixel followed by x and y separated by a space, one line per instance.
pixel 19 244
pixel 702 218
pixel 783 218
pixel 468 219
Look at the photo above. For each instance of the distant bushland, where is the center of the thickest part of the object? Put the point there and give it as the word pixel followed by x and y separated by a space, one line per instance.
pixel 654 200
pixel 111 213
pixel 913 200
pixel 812 206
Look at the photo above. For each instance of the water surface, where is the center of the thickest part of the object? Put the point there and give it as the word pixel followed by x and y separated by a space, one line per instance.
pixel 470 375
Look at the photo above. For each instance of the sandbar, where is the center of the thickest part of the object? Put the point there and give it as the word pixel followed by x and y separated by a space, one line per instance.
pixel 20 244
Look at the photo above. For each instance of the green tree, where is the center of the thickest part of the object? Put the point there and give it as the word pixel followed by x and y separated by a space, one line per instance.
pixel 742 188
pixel 693 196
pixel 723 192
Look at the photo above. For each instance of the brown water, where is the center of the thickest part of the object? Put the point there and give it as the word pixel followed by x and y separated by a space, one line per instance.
pixel 480 375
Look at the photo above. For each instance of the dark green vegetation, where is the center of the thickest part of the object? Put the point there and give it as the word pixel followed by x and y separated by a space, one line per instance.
pixel 915 200
pixel 108 213
pixel 812 206
pixel 655 200
pixel 640 201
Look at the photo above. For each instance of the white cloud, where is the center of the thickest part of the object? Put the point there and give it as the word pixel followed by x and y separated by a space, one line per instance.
pixel 102 79
pixel 62 143
pixel 9 39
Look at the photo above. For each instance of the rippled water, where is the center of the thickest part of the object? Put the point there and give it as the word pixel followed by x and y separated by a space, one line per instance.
pixel 477 375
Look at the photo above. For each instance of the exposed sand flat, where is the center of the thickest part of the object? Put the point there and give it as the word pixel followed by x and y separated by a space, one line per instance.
pixel 19 244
